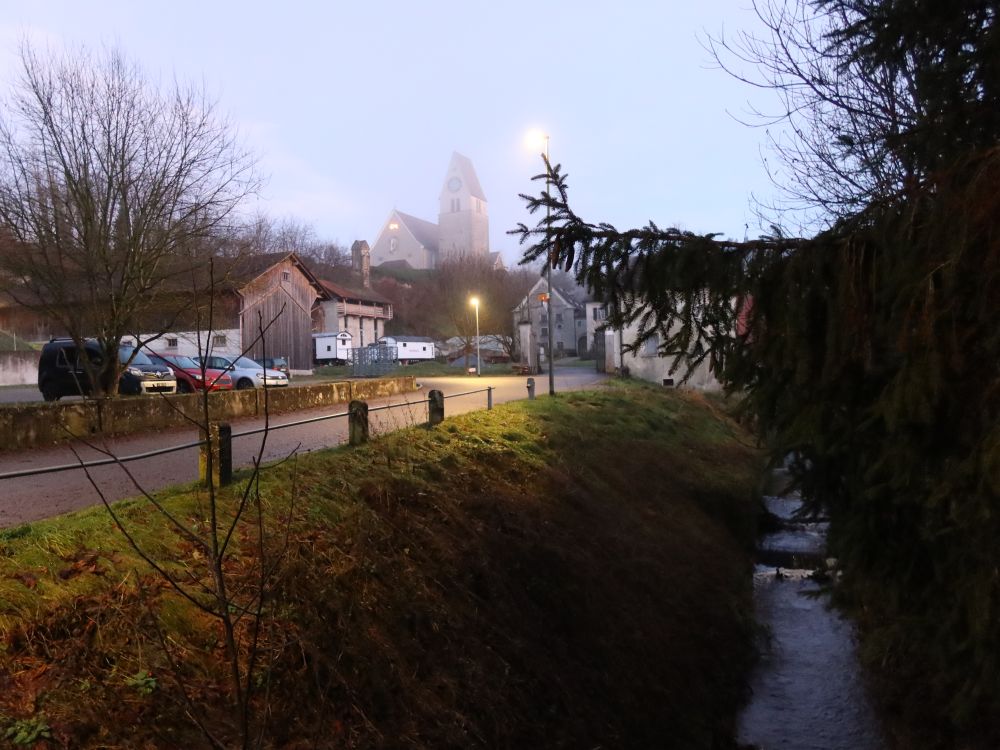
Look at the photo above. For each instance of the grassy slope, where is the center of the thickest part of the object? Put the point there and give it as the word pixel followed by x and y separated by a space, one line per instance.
pixel 558 573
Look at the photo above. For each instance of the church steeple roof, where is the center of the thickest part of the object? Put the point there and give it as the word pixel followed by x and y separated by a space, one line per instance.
pixel 463 166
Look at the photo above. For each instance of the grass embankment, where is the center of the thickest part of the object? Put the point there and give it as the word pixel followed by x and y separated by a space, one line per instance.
pixel 567 572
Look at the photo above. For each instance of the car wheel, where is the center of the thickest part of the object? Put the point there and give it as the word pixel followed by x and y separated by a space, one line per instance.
pixel 184 387
pixel 49 393
pixel 243 384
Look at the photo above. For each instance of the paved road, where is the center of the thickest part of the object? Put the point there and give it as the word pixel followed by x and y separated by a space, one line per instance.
pixel 42 496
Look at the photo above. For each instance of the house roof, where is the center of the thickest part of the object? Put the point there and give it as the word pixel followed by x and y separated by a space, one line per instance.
pixel 541 286
pixel 390 265
pixel 238 272
pixel 411 339
pixel 425 232
pixel 345 292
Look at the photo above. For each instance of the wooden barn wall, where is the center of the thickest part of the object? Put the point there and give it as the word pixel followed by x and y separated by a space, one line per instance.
pixel 289 304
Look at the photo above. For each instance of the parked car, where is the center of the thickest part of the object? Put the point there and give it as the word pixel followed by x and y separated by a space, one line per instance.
pixel 245 372
pixel 188 373
pixel 275 363
pixel 61 373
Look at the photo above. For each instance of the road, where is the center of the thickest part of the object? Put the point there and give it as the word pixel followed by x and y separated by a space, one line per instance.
pixel 31 498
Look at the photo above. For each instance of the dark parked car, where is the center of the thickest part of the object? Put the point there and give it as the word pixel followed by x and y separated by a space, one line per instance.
pixel 189 376
pixel 275 363
pixel 60 373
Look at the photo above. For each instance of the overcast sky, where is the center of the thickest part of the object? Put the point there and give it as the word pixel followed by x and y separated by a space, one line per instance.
pixel 355 108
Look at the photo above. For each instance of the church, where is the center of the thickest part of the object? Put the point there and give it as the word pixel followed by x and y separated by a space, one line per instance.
pixel 462 229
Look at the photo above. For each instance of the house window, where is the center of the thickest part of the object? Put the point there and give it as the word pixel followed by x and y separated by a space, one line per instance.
pixel 286 276
pixel 393 244
pixel 219 340
pixel 651 346
pixel 545 318
pixel 545 331
pixel 558 317
pixel 328 347
pixel 171 342
pixel 425 349
pixel 600 313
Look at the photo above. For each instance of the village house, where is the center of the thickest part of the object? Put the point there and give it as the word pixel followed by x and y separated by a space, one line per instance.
pixel 350 304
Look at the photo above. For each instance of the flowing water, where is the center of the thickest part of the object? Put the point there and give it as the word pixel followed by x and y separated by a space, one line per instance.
pixel 808 693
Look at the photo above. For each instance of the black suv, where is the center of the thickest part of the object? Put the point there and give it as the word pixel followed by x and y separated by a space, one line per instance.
pixel 60 373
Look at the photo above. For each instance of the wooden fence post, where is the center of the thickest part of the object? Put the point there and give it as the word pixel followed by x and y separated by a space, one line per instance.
pixel 435 407
pixel 208 456
pixel 357 422
pixel 225 453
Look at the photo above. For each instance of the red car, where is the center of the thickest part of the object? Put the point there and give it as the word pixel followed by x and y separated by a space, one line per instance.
pixel 188 374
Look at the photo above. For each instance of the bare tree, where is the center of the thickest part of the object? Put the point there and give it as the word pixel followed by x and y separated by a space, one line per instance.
pixel 839 124
pixel 109 187
pixel 499 292
pixel 262 234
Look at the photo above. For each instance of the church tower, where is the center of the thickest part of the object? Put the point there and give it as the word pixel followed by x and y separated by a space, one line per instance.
pixel 463 222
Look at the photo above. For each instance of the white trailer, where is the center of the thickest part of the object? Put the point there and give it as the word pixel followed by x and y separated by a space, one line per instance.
pixel 333 347
pixel 410 348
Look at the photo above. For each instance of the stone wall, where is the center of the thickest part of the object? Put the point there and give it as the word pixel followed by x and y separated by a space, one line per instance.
pixel 19 368
pixel 30 425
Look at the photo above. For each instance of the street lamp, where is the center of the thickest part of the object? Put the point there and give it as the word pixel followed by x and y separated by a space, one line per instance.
pixel 474 301
pixel 534 139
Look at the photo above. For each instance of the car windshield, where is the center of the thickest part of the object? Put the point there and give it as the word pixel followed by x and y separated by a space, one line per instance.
pixel 246 364
pixel 185 362
pixel 139 359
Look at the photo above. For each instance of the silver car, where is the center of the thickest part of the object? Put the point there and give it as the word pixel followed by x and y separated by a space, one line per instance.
pixel 245 372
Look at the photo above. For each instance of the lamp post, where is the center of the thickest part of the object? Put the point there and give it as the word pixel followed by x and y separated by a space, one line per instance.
pixel 535 137
pixel 474 301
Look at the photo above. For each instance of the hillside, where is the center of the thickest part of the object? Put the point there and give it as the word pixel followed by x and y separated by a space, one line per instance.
pixel 567 572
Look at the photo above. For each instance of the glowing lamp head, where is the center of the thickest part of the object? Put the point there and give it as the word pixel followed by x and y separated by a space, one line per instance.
pixel 474 301
pixel 536 139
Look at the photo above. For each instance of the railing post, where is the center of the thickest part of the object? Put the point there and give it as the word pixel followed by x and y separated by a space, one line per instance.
pixel 208 456
pixel 357 420
pixel 531 389
pixel 435 407
pixel 489 397
pixel 225 454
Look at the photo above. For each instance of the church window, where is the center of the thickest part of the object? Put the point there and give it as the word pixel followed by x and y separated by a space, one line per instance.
pixel 393 244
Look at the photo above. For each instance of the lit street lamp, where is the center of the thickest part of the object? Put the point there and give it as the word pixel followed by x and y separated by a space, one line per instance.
pixel 479 367
pixel 534 139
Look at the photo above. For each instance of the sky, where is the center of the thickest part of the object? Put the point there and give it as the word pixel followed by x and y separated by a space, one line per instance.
pixel 355 108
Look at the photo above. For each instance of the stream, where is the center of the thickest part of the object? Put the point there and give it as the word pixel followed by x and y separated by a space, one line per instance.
pixel 807 691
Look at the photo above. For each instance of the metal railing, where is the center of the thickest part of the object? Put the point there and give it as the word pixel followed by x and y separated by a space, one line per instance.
pixel 204 443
